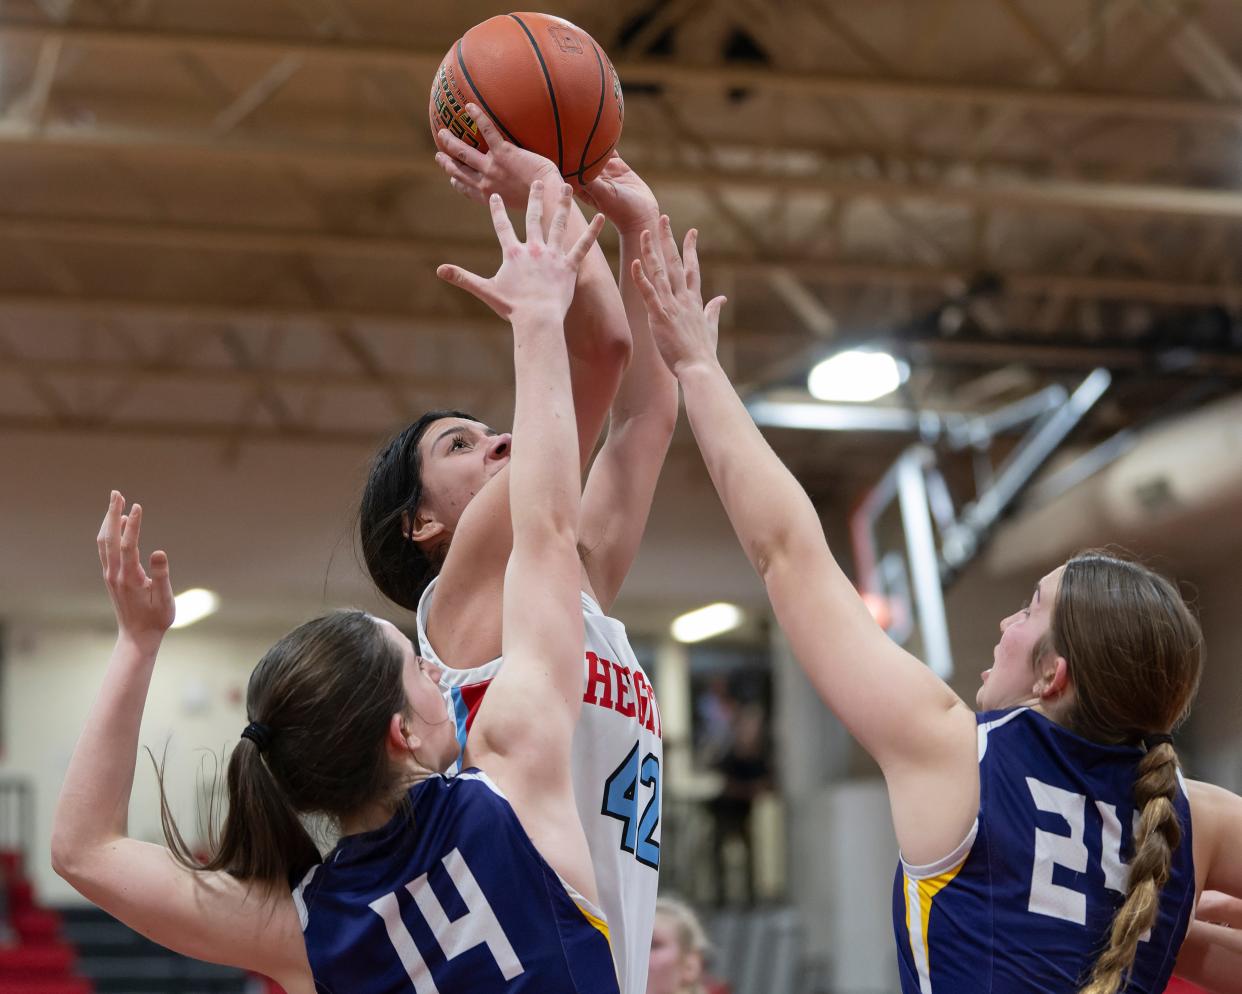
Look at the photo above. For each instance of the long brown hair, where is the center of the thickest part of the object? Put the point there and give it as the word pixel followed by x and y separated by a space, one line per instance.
pixel 326 692
pixel 398 567
pixel 1135 653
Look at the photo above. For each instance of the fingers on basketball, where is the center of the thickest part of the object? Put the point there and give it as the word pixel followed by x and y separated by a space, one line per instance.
pixel 491 134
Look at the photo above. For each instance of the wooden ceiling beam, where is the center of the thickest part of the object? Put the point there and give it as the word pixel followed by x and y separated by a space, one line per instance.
pixel 424 62
pixel 330 376
pixel 997 191
pixel 435 250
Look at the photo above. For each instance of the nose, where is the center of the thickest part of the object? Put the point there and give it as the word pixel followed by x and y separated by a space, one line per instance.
pixel 1006 622
pixel 498 446
pixel 433 671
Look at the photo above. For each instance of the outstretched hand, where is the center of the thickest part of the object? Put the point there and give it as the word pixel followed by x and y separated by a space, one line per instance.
pixel 684 330
pixel 536 277
pixel 142 600
pixel 504 168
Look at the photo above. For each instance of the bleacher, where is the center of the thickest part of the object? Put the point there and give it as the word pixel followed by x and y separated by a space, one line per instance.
pixel 759 951
pixel 118 960
pixel 82 950
pixel 34 956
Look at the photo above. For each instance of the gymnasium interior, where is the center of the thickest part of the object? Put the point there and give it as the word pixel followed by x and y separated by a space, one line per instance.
pixel 219 225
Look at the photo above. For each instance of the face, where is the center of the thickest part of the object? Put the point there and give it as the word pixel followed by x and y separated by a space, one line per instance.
pixel 458 457
pixel 1012 678
pixel 429 721
pixel 669 969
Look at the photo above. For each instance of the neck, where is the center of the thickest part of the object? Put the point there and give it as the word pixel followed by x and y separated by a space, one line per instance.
pixel 377 813
pixel 368 818
pixel 1057 710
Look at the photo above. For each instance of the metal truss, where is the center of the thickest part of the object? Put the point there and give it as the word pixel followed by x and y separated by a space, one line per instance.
pixel 873 192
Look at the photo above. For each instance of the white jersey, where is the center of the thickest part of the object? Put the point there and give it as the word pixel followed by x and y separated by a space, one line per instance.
pixel 617 765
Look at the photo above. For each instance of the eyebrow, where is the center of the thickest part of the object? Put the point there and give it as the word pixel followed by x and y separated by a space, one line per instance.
pixel 445 434
pixel 490 432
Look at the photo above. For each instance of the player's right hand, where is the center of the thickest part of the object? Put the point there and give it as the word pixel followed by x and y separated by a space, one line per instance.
pixel 536 278
pixel 623 196
pixel 504 168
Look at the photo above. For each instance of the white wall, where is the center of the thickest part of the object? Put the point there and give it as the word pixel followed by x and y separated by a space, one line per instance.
pixel 196 703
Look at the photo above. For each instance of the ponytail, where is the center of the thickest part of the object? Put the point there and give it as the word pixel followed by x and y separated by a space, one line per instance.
pixel 261 838
pixel 319 704
pixel 1157 838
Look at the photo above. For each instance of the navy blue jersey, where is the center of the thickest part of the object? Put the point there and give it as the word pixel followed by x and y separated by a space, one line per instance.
pixel 451 895
pixel 1027 900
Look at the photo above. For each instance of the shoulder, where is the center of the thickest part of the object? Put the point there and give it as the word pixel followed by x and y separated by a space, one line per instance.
pixel 472 788
pixel 989 725
pixel 1213 808
pixel 424 604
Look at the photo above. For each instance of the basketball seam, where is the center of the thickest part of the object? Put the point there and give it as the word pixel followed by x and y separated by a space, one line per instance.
pixel 461 62
pixel 599 112
pixel 547 78
pixel 600 158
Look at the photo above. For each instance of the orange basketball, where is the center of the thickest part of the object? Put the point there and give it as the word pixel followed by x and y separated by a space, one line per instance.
pixel 545 83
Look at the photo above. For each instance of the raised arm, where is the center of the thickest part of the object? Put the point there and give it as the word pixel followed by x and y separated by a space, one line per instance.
pixel 522 733
pixel 597 336
pixel 465 620
pixel 918 730
pixel 1211 956
pixel 210 916
pixel 619 490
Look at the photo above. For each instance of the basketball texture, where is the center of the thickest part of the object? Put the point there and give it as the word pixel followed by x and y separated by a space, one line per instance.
pixel 545 83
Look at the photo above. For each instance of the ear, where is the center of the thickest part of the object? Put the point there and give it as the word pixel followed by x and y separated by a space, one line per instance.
pixel 1054 678
pixel 423 528
pixel 400 741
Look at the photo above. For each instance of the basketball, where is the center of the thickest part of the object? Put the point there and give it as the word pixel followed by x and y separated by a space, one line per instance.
pixel 545 83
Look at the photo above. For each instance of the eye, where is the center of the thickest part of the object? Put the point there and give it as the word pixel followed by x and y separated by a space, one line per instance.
pixel 459 442
pixel 1026 609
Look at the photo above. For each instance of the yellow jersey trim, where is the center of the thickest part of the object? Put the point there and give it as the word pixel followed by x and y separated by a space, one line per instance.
pixel 919 894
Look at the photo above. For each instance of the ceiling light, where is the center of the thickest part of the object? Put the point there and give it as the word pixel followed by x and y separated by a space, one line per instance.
pixel 706 622
pixel 194 605
pixel 856 376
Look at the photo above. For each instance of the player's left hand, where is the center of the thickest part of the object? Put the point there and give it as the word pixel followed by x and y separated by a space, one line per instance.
pixel 142 601
pixel 504 168
pixel 684 330
pixel 620 193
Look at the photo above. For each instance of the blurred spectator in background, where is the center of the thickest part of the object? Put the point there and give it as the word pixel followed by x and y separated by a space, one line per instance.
pixel 715 708
pixel 679 951
pixel 746 774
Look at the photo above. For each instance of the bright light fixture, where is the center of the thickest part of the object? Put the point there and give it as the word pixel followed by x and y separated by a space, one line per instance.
pixel 194 605
pixel 856 376
pixel 706 622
